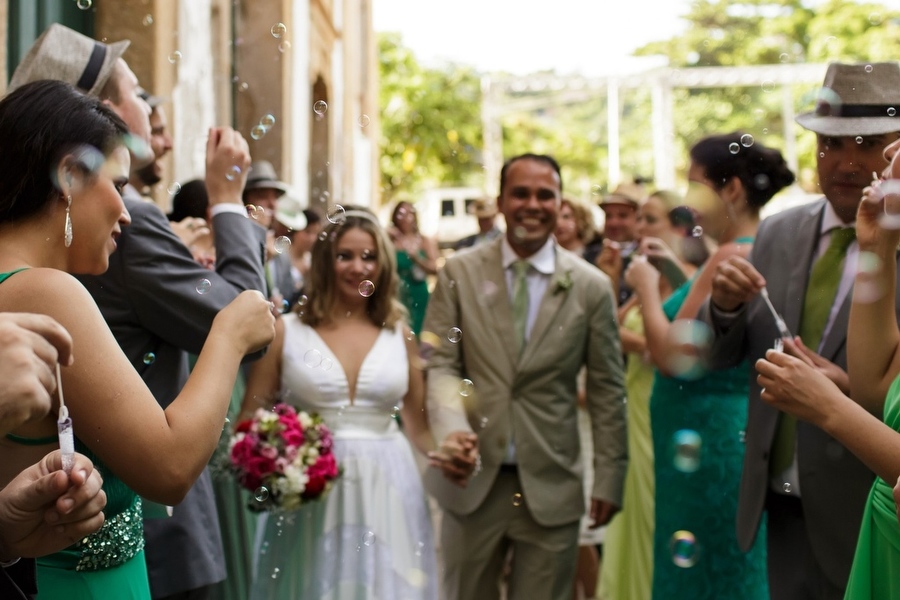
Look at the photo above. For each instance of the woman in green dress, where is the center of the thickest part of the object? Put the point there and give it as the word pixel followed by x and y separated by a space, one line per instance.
pixel 63 164
pixel 795 385
pixel 627 570
pixel 696 416
pixel 416 259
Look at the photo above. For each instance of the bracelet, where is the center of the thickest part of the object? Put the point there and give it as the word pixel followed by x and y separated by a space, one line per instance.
pixel 9 563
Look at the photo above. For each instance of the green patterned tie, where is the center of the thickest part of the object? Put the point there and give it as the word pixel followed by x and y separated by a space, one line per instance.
pixel 820 296
pixel 520 300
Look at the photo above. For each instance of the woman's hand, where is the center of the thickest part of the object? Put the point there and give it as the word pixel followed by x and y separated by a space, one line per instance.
pixel 610 259
pixel 795 386
pixel 641 275
pixel 878 216
pixel 248 322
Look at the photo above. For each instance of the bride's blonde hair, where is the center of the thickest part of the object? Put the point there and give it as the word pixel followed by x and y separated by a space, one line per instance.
pixel 383 308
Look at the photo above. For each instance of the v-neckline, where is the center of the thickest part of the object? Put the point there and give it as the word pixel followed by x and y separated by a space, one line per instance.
pixel 351 397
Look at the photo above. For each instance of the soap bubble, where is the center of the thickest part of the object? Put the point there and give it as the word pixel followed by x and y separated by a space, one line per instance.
pixel 149 358
pixel 278 30
pixel 685 550
pixel 687 445
pixel 203 286
pixel 320 107
pixel 282 244
pixel 454 335
pixel 366 288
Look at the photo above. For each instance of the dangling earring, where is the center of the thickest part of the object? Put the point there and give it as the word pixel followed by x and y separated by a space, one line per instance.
pixel 68 236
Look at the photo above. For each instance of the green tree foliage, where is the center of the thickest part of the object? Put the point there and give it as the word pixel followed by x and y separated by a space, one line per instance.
pixel 755 32
pixel 430 122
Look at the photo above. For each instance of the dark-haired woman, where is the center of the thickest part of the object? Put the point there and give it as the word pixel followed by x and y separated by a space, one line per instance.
pixel 698 417
pixel 62 167
pixel 348 355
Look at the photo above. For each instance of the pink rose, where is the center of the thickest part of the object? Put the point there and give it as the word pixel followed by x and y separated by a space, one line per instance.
pixel 292 437
pixel 270 452
pixel 242 451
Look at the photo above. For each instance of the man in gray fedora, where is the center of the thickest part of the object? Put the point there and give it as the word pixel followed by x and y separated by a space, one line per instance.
pixel 809 486
pixel 158 302
pixel 262 191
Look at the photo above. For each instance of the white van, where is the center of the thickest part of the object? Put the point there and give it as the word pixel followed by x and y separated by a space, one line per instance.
pixel 446 214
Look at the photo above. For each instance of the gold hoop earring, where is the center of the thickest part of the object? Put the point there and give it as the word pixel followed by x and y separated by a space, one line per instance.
pixel 68 235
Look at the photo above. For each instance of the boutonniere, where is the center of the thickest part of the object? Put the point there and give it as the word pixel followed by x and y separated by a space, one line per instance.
pixel 564 283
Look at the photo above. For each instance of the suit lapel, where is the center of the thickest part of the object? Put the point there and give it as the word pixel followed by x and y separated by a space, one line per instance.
pixel 497 303
pixel 804 242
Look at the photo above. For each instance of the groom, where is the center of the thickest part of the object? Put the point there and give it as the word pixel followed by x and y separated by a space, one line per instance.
pixel 531 316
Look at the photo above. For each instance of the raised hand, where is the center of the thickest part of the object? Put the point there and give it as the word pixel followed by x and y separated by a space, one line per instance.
pixel 735 282
pixel 247 322
pixel 641 276
pixel 227 164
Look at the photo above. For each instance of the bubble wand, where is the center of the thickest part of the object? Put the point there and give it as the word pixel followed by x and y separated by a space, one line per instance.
pixel 64 427
pixel 779 322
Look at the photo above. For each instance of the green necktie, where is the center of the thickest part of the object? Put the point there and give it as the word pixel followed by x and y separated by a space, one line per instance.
pixel 520 300
pixel 820 296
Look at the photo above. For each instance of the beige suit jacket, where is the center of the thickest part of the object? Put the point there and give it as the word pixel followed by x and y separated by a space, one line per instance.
pixel 532 396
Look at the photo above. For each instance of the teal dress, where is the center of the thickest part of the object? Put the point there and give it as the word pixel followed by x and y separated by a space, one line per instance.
pixel 109 563
pixel 876 564
pixel 413 289
pixel 698 425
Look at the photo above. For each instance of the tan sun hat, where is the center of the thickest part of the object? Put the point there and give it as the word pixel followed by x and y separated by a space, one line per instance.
pixel 627 194
pixel 856 99
pixel 66 55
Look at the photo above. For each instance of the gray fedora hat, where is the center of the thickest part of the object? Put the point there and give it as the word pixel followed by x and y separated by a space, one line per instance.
pixel 856 99
pixel 262 175
pixel 66 55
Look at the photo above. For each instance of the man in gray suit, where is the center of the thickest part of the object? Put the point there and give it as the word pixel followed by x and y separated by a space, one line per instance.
pixel 158 302
pixel 811 488
pixel 517 319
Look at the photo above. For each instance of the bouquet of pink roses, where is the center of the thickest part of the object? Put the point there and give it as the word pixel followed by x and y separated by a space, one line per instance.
pixel 284 457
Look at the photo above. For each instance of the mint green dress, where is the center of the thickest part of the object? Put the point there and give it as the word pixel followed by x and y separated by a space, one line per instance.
pixel 876 564
pixel 109 563
pixel 698 424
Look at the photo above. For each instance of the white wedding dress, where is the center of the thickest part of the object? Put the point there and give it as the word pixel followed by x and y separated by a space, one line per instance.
pixel 371 537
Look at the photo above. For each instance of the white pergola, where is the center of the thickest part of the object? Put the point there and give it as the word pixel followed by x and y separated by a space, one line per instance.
pixel 497 101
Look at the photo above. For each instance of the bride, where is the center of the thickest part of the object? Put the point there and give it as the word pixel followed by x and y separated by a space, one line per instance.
pixel 348 354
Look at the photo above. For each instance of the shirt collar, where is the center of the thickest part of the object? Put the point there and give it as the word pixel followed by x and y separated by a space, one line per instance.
pixel 831 220
pixel 542 261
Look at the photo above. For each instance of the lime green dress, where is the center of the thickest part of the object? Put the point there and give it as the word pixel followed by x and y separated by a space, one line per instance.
pixel 109 563
pixel 413 289
pixel 876 564
pixel 627 569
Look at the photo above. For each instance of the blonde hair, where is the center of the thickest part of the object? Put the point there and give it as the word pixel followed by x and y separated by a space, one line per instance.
pixel 383 308
pixel 584 220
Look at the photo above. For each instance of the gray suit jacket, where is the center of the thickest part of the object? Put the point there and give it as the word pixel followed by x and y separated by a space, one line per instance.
pixel 532 395
pixel 834 484
pixel 150 301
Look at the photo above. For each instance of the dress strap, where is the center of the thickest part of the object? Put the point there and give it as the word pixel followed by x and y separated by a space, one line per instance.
pixel 5 276
pixel 27 441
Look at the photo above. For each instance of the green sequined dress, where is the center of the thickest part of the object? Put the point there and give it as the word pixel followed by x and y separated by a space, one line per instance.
pixel 109 563
pixel 106 564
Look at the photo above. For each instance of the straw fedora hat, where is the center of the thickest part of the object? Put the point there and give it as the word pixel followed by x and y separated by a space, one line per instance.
pixel 626 194
pixel 262 176
pixel 66 55
pixel 289 211
pixel 856 99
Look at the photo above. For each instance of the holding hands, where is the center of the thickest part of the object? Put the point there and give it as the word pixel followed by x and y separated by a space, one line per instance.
pixel 457 457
